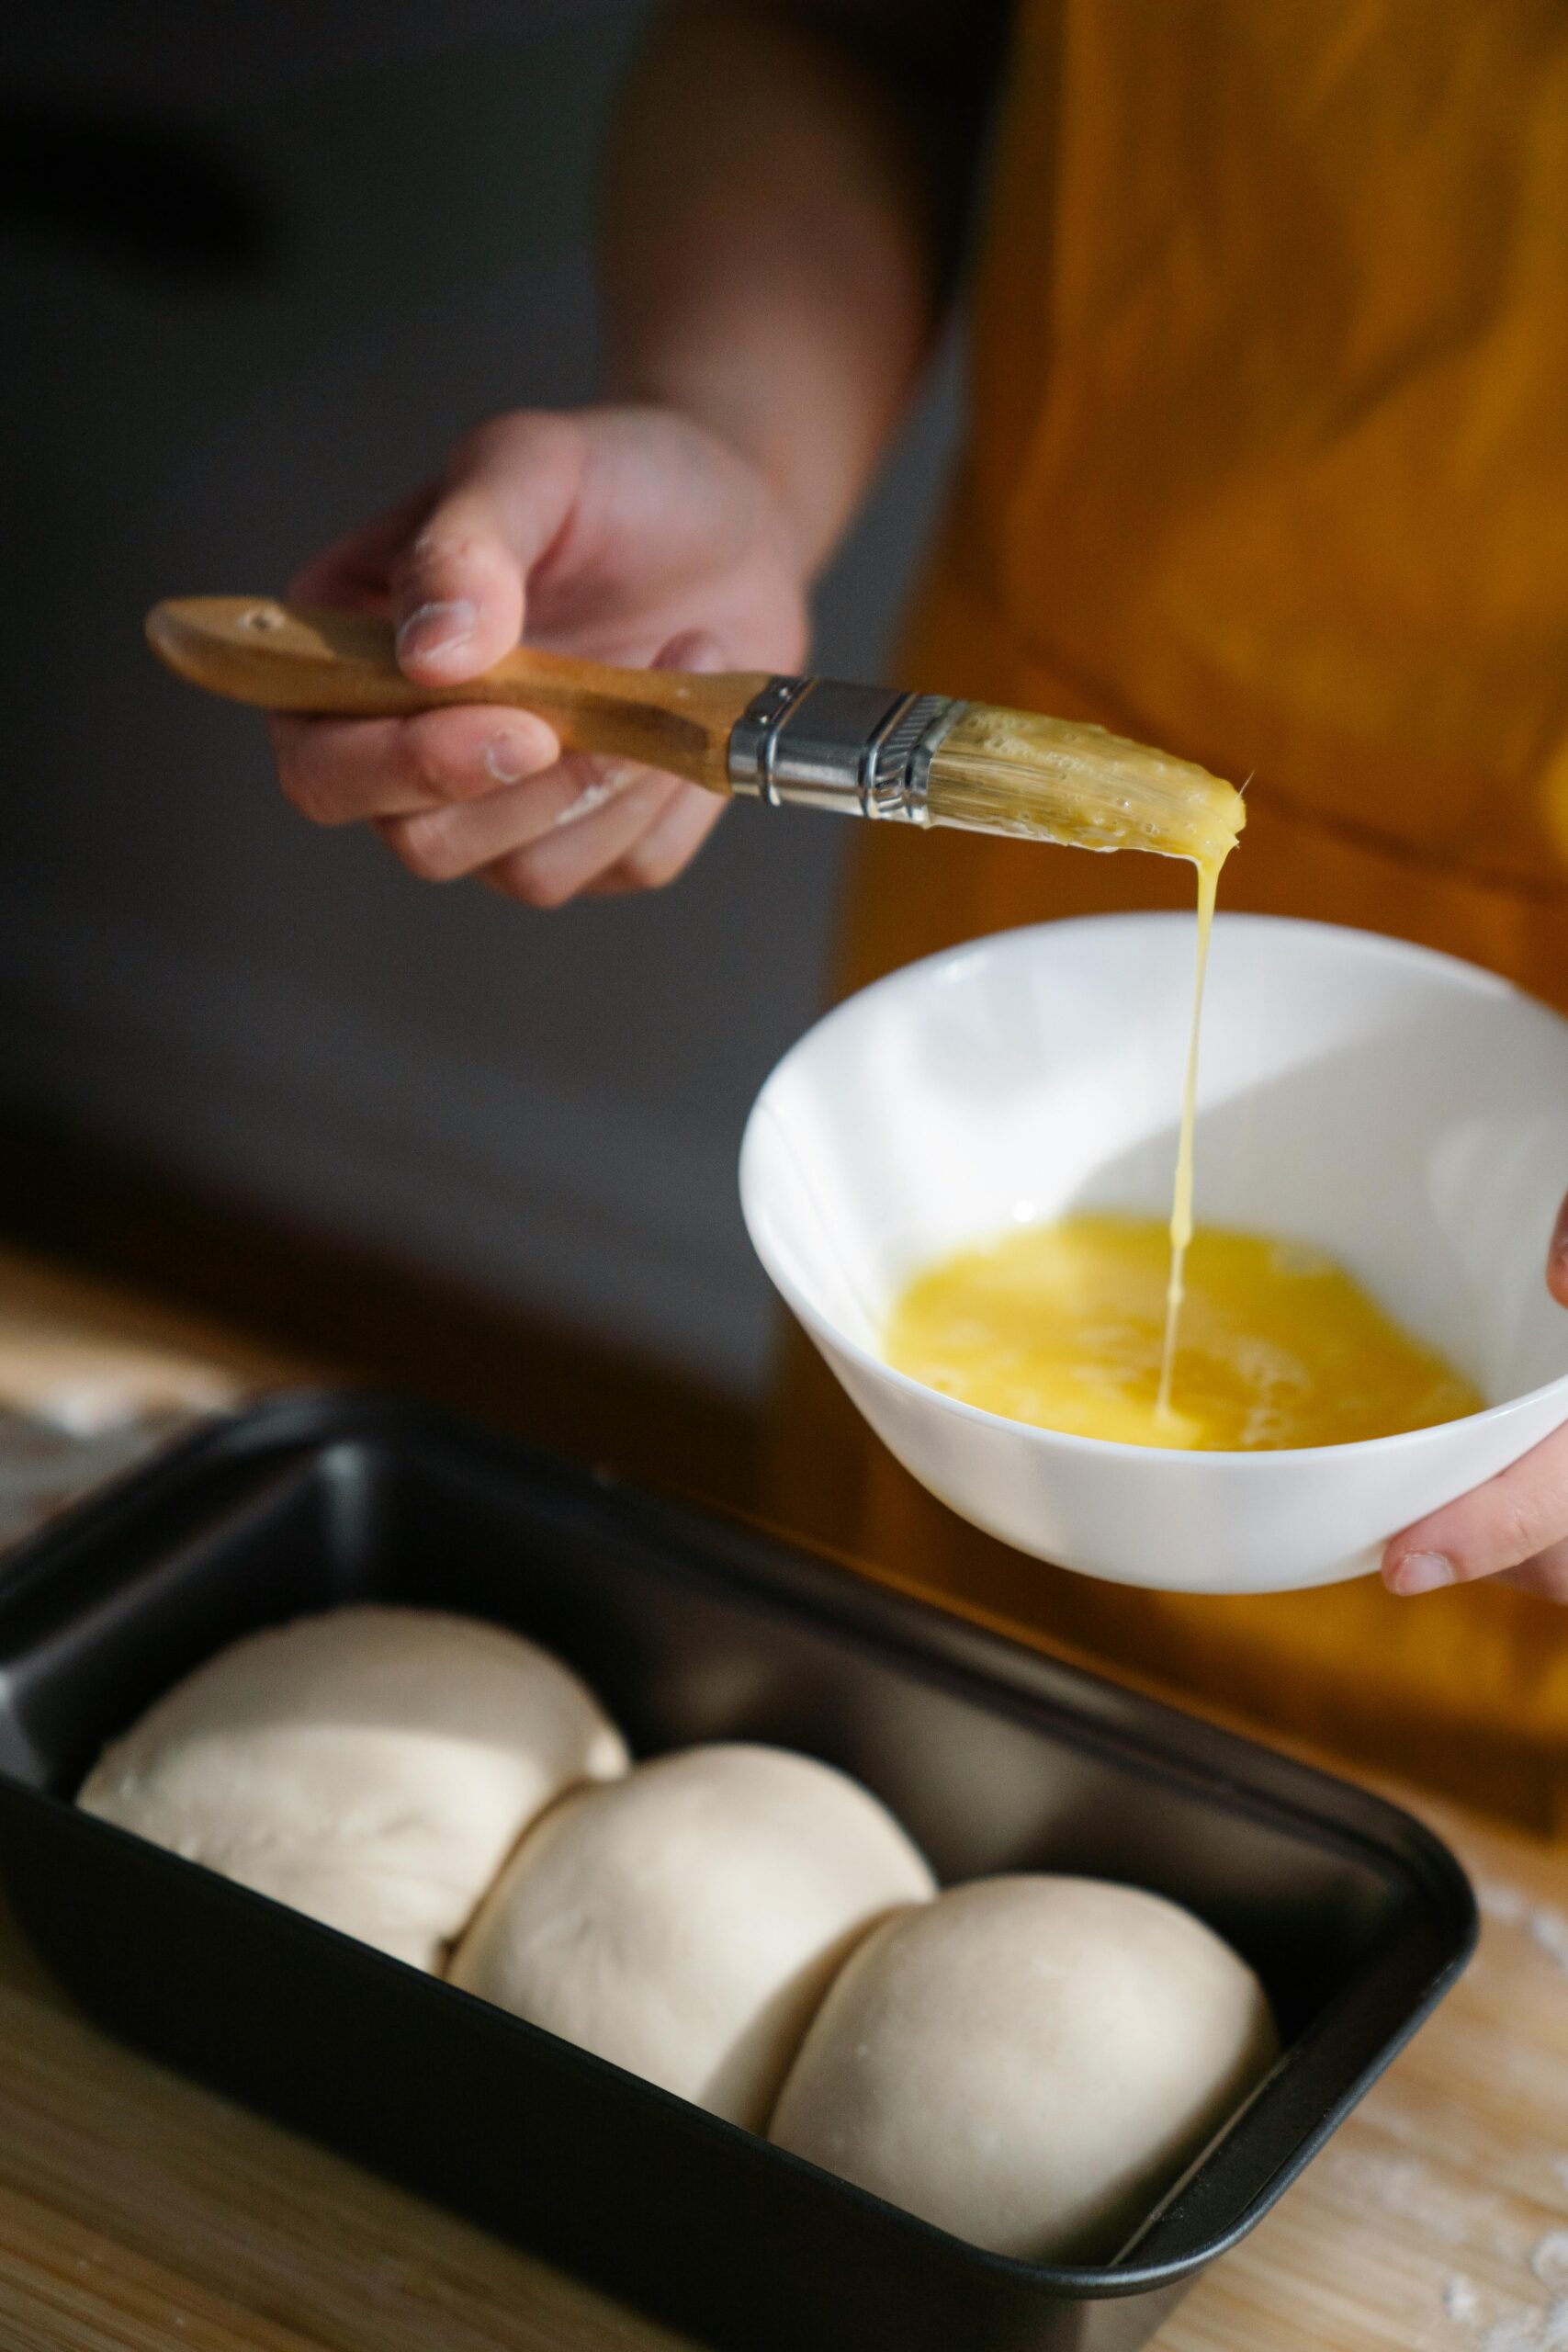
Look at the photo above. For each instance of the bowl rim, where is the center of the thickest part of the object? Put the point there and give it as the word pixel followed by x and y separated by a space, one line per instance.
pixel 1258 1461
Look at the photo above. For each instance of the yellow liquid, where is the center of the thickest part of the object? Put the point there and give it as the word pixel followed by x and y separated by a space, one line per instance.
pixel 1056 780
pixel 1181 1228
pixel 1064 1325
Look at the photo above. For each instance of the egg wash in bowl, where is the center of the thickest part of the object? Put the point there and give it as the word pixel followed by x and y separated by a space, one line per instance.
pixel 1066 1325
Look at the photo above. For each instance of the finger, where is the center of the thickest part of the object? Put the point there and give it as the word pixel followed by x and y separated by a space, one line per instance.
pixel 1513 1517
pixel 1557 1259
pixel 441 844
pixel 673 840
pixel 574 853
pixel 356 569
pixel 458 586
pixel 694 648
pixel 676 827
pixel 1546 1576
pixel 588 819
pixel 666 848
pixel 336 771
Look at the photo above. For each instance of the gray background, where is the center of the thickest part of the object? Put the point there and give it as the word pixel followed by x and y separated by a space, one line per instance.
pixel 544 1107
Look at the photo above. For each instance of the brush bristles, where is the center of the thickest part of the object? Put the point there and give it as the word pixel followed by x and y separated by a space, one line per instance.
pixel 1051 780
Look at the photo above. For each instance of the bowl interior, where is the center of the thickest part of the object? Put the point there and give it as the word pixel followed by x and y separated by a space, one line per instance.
pixel 1404 1110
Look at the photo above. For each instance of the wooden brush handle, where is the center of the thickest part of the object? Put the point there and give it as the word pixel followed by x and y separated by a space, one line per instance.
pixel 306 658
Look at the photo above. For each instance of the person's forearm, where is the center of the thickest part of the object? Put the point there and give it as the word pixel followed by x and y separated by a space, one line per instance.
pixel 779 215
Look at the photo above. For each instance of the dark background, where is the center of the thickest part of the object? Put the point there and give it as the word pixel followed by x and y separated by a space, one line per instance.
pixel 261 263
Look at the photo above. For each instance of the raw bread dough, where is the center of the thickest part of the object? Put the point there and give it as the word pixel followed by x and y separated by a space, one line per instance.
pixel 1028 2062
pixel 373 1767
pixel 686 1921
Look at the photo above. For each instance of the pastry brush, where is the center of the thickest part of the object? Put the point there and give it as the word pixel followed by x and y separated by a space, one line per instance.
pixel 816 742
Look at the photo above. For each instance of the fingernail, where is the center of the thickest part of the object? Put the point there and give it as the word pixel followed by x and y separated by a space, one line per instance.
pixel 437 629
pixel 504 760
pixel 1422 1572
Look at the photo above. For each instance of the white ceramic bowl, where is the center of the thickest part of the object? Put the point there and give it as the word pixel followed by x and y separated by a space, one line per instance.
pixel 1404 1110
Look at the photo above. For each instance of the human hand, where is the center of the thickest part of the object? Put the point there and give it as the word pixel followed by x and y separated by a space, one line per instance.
pixel 626 533
pixel 1516 1526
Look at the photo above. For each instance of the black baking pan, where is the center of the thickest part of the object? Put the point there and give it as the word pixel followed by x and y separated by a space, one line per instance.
pixel 997 1758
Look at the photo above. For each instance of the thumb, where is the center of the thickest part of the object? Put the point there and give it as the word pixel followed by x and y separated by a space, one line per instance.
pixel 460 589
pixel 1557 1259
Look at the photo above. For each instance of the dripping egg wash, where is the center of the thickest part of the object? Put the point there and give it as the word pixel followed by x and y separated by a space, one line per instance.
pixel 1146 1330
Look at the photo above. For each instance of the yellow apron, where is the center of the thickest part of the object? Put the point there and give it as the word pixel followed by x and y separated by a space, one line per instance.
pixel 1269 465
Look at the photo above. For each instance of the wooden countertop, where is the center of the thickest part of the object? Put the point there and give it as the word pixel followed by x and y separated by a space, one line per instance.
pixel 138 2212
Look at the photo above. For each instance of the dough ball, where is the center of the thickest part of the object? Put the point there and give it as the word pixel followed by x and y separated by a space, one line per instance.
pixel 373 1767
pixel 1029 2062
pixel 686 1921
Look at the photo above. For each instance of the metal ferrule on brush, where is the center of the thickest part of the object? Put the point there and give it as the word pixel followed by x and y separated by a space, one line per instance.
pixel 818 744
